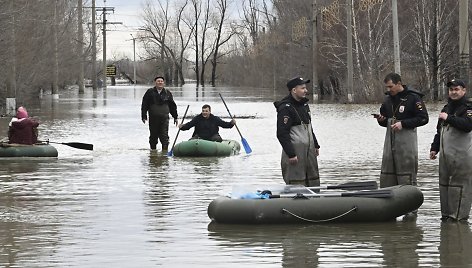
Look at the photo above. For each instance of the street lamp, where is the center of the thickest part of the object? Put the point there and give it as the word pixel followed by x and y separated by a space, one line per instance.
pixel 134 58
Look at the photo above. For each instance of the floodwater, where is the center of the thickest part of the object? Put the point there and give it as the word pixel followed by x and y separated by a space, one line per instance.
pixel 123 205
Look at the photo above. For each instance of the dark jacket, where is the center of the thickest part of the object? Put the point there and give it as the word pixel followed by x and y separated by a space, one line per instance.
pixel 291 112
pixel 23 131
pixel 206 128
pixel 459 116
pixel 407 107
pixel 164 101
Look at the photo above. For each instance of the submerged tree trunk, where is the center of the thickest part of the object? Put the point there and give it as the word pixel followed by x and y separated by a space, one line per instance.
pixel 55 71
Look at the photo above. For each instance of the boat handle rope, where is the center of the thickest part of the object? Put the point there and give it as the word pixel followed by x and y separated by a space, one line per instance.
pixel 315 221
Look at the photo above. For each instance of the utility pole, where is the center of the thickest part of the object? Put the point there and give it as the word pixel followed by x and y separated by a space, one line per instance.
pixel 350 68
pixel 94 47
pixel 80 46
pixel 315 52
pixel 104 32
pixel 104 61
pixel 134 59
pixel 464 40
pixel 396 39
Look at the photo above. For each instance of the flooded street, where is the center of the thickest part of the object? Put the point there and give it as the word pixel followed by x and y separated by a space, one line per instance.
pixel 123 205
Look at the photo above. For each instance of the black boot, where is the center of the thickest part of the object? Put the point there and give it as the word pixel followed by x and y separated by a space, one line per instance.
pixel 165 147
pixel 153 146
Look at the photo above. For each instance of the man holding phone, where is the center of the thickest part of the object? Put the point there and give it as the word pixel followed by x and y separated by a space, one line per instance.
pixel 401 113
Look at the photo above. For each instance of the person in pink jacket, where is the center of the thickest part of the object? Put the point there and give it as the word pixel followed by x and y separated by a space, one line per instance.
pixel 22 129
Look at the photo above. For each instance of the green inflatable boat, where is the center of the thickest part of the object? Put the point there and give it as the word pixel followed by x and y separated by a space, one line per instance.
pixel 20 150
pixel 199 147
pixel 361 206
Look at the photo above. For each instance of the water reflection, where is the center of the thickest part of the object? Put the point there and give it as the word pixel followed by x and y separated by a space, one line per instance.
pixel 201 166
pixel 336 245
pixel 27 165
pixel 158 160
pixel 158 189
pixel 455 246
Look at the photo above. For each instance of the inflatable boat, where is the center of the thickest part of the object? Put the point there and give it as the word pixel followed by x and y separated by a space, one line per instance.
pixel 307 207
pixel 198 147
pixel 21 150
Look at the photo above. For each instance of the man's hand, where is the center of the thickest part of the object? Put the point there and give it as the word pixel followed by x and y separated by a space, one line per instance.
pixel 397 126
pixel 443 116
pixel 293 160
pixel 432 155
pixel 380 118
pixel 176 122
pixel 179 126
pixel 317 151
pixel 144 120
pixel 233 122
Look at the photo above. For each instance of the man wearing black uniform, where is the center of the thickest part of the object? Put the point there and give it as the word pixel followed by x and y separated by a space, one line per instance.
pixel 401 113
pixel 158 102
pixel 295 134
pixel 207 125
pixel 453 141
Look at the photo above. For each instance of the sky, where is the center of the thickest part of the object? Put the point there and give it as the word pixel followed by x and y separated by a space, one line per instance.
pixel 119 39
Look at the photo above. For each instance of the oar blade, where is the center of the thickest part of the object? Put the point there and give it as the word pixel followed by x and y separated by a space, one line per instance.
pixel 363 185
pixel 246 146
pixel 170 153
pixel 79 145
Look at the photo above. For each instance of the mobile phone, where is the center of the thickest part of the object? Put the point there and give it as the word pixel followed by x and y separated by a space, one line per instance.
pixel 376 115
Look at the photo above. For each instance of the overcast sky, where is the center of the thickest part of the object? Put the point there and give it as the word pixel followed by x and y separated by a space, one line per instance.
pixel 119 40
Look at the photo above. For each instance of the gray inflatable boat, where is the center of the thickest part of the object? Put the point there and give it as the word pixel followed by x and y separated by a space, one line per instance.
pixel 384 204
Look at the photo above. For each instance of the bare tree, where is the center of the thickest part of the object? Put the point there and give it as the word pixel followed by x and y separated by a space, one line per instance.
pixel 184 37
pixel 433 35
pixel 29 47
pixel 196 5
pixel 157 23
pixel 251 18
pixel 222 6
pixel 11 82
pixel 371 29
pixel 204 55
pixel 55 70
pixel 80 45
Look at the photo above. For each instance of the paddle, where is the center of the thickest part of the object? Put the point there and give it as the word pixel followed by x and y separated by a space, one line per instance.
pixel 246 146
pixel 363 185
pixel 169 153
pixel 77 145
pixel 371 194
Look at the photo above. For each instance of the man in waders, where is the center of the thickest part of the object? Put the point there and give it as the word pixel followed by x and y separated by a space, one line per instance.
pixel 453 141
pixel 401 113
pixel 158 102
pixel 295 134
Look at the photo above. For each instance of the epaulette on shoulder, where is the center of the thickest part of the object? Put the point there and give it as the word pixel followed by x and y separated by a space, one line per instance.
pixel 283 106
